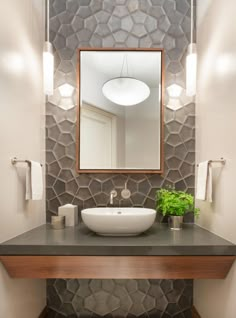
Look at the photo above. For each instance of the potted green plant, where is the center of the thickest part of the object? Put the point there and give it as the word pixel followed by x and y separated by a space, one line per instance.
pixel 175 204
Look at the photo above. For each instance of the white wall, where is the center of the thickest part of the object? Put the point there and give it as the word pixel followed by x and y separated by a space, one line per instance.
pixel 22 135
pixel 215 138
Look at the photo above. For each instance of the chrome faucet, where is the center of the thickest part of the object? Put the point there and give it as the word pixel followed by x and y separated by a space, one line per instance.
pixel 113 194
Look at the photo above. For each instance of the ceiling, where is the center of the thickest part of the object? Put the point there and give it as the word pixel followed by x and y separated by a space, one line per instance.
pixel 142 65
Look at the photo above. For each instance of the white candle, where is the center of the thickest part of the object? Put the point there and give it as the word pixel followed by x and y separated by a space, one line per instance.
pixel 70 211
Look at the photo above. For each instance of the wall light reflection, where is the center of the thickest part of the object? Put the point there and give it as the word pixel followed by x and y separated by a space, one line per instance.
pixel 13 63
pixel 226 63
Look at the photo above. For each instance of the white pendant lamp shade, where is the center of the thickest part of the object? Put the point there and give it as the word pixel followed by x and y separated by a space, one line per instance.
pixel 48 68
pixel 191 70
pixel 126 91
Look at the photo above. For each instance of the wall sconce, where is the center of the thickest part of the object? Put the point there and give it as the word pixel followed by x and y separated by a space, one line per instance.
pixel 48 61
pixel 48 69
pixel 191 63
pixel 191 70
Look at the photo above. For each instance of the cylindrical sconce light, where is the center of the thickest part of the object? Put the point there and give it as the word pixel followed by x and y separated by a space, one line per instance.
pixel 191 70
pixel 48 68
pixel 191 63
pixel 48 60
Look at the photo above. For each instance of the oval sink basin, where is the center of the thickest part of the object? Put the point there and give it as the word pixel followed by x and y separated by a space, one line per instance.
pixel 118 221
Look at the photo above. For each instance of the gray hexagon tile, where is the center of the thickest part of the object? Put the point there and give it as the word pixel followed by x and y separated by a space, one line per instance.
pixel 119 298
pixel 101 303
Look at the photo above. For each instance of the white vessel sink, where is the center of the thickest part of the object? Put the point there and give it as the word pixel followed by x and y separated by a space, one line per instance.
pixel 118 221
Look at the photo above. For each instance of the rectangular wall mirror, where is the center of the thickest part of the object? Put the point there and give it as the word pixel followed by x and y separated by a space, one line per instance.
pixel 120 111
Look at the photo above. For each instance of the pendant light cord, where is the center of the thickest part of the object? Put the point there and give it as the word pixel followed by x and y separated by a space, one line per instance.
pixel 47 5
pixel 123 65
pixel 191 39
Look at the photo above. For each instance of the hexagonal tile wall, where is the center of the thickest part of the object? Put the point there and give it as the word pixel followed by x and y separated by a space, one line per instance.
pixel 115 23
pixel 118 23
pixel 120 298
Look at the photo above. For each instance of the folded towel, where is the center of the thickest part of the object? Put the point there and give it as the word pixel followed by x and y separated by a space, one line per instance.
pixel 28 183
pixel 209 184
pixel 204 182
pixel 34 181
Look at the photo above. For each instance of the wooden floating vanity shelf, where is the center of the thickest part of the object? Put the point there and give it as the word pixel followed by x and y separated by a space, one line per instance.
pixel 118 267
pixel 76 252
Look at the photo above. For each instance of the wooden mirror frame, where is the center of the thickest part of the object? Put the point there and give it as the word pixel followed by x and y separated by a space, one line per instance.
pixel 124 171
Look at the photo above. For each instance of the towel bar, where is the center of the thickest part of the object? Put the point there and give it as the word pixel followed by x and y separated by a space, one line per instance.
pixel 221 160
pixel 16 160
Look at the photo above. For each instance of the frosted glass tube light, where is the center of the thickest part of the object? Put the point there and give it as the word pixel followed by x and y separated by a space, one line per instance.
pixel 48 69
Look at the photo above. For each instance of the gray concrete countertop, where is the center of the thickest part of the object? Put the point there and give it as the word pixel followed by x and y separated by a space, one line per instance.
pixel 158 240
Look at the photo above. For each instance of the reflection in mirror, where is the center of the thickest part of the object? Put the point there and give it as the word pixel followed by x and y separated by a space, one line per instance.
pixel 120 111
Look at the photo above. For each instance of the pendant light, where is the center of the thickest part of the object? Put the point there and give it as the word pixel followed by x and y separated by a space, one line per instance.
pixel 191 62
pixel 125 90
pixel 48 59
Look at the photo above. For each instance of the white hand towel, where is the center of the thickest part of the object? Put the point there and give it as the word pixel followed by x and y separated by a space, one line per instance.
pixel 34 182
pixel 204 182
pixel 28 183
pixel 209 184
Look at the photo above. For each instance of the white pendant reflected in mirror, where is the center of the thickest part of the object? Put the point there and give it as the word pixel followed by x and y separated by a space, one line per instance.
pixel 126 91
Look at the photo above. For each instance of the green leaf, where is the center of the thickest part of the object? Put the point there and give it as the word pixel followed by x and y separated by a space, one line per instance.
pixel 172 202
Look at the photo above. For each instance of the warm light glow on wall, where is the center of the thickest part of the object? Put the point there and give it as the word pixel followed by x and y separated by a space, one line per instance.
pixel 225 64
pixel 66 90
pixel 174 90
pixel 12 62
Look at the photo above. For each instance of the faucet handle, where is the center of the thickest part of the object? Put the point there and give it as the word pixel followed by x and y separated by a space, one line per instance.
pixel 125 193
pixel 114 193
